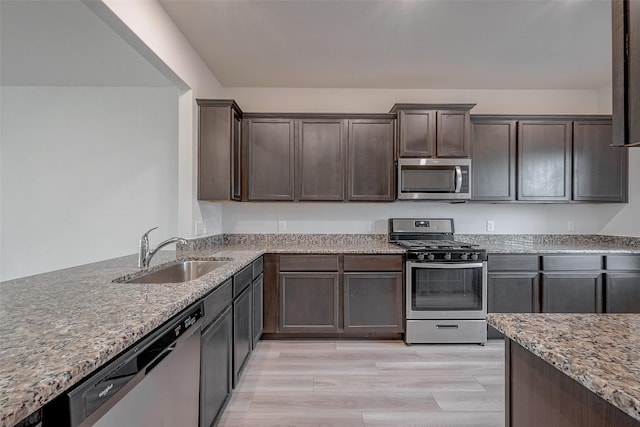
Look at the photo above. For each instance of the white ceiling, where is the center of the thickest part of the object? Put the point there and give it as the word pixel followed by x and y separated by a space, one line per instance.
pixel 421 44
pixel 63 43
pixel 431 44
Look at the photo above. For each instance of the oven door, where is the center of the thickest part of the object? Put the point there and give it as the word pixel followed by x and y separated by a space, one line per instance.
pixel 446 290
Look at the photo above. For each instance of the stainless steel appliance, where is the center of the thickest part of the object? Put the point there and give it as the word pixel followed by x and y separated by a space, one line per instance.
pixel 446 282
pixel 434 179
pixel 154 383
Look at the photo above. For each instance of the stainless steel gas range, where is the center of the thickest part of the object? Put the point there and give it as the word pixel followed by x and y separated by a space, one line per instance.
pixel 446 282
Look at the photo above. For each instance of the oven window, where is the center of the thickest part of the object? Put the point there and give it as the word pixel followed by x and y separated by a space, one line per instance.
pixel 434 289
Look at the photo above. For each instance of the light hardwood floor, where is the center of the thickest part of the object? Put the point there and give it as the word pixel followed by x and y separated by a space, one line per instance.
pixel 369 383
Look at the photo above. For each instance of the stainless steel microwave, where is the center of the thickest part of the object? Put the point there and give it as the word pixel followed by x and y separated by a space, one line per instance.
pixel 434 179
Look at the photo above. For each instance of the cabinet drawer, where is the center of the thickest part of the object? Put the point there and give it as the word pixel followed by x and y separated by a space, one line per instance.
pixel 309 263
pixel 242 279
pixel 623 262
pixel 513 263
pixel 571 262
pixel 257 268
pixel 216 302
pixel 372 263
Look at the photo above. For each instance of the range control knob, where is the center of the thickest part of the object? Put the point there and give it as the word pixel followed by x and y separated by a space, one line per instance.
pixel 431 257
pixel 474 256
pixel 464 256
pixel 447 256
pixel 420 257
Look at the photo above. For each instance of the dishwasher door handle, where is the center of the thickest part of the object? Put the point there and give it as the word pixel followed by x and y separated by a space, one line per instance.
pixel 155 362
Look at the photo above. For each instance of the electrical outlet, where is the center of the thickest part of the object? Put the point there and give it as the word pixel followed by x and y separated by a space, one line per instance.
pixel 282 226
pixel 200 228
pixel 571 226
pixel 491 225
pixel 372 226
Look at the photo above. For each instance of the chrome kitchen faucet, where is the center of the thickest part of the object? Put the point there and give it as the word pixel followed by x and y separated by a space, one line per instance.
pixel 146 254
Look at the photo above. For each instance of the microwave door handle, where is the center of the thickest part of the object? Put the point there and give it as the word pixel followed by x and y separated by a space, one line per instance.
pixel 458 179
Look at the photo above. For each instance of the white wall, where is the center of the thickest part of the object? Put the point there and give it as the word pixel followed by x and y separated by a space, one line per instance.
pixel 84 171
pixel 470 217
pixel 146 26
pixel 381 100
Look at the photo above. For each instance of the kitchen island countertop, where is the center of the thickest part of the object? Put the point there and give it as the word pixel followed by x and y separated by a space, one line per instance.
pixel 599 351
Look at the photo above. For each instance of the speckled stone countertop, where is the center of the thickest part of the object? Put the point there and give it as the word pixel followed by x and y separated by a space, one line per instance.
pixel 553 243
pixel 56 328
pixel 600 351
pixel 314 243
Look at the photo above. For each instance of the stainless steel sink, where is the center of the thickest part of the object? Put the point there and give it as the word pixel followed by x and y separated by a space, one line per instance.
pixel 180 272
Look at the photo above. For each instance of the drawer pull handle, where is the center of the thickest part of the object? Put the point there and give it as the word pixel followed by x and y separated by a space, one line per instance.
pixel 446 326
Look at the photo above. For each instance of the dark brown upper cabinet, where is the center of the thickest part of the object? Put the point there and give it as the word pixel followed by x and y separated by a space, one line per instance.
pixel 371 168
pixel 599 170
pixel 321 155
pixel 626 72
pixel 493 154
pixel 219 150
pixel 544 160
pixel 433 130
pixel 271 151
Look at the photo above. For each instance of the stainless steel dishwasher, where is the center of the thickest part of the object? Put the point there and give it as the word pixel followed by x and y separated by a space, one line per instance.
pixel 155 383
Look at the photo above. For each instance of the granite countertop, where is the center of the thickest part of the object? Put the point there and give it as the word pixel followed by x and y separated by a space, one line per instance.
pixel 56 328
pixel 541 244
pixel 600 351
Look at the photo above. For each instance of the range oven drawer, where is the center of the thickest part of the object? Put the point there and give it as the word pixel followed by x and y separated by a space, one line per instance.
pixel 446 331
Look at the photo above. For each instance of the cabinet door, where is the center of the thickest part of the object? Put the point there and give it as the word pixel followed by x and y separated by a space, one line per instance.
pixel 544 160
pixel 219 156
pixel 242 337
pixel 417 133
pixel 371 162
pixel 309 302
pixel 321 159
pixel 453 134
pixel 572 292
pixel 493 152
pixel 215 374
pixel 599 170
pixel 513 292
pixel 373 302
pixel 257 309
pixel 622 292
pixel 271 159
pixel 236 154
pixel 626 72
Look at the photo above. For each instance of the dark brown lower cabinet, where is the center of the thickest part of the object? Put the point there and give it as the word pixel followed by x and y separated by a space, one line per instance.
pixel 373 302
pixel 309 302
pixel 572 292
pixel 258 307
pixel 333 295
pixel 242 336
pixel 216 372
pixel 622 292
pixel 537 394
pixel 512 292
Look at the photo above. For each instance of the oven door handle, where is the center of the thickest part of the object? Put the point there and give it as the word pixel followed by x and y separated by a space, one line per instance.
pixel 458 179
pixel 451 266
